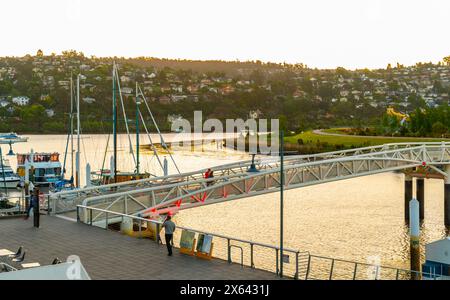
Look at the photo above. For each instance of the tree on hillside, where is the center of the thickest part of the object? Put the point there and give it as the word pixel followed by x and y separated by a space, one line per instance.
pixel 438 129
pixel 447 60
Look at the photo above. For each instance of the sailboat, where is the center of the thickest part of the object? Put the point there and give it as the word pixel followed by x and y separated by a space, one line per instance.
pixel 113 175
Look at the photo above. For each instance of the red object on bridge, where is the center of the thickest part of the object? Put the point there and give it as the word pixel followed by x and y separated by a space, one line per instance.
pixel 424 164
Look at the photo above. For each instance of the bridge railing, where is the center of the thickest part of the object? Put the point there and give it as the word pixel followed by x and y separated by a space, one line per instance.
pixel 296 264
pixel 67 200
pixel 226 188
pixel 64 201
pixel 195 174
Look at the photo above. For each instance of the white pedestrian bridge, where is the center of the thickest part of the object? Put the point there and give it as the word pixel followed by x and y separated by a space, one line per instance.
pixel 159 195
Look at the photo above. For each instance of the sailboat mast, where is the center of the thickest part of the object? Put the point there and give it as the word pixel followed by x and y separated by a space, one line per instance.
pixel 71 124
pixel 78 133
pixel 114 172
pixel 137 130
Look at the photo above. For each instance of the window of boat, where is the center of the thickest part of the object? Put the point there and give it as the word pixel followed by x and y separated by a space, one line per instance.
pixel 50 171
pixel 58 171
pixel 40 172
pixel 20 159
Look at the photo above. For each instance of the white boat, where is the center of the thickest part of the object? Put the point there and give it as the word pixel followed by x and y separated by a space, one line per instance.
pixel 8 178
pixel 12 138
pixel 43 168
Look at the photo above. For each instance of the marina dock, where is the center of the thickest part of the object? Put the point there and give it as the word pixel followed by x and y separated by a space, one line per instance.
pixel 112 255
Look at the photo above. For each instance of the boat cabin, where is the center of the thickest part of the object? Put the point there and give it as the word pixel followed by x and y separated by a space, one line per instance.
pixel 43 168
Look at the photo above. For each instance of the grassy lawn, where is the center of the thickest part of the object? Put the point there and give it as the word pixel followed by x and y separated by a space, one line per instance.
pixel 356 141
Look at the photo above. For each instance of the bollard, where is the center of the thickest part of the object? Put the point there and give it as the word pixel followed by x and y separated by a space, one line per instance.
pixel 77 169
pixel 36 214
pixel 420 192
pixel 414 212
pixel 408 195
pixel 166 167
pixel 111 167
pixel 88 175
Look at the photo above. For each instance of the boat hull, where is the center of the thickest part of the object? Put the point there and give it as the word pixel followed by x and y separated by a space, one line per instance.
pixel 10 184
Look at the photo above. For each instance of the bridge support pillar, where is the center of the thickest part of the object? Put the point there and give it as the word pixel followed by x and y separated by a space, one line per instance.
pixel 447 197
pixel 408 194
pixel 420 194
pixel 447 204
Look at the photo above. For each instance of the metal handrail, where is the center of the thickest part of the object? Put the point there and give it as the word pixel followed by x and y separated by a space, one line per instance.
pixel 185 228
pixel 433 275
pixel 276 248
pixel 225 237
pixel 242 253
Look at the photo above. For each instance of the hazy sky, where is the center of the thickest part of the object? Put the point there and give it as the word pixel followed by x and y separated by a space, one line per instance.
pixel 320 33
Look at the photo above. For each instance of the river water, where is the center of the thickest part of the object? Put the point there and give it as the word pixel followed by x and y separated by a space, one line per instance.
pixel 357 219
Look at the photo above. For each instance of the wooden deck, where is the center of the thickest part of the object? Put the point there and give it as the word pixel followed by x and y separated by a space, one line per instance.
pixel 112 255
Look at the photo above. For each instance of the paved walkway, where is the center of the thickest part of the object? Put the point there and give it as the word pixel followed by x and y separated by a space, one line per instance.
pixel 111 255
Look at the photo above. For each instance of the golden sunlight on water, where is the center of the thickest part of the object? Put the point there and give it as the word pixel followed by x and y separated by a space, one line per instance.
pixel 353 219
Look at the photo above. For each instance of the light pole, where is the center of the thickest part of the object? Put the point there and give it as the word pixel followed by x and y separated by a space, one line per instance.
pixel 281 198
pixel 137 131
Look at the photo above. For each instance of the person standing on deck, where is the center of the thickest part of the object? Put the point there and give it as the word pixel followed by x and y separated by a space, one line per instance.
pixel 28 195
pixel 34 198
pixel 169 227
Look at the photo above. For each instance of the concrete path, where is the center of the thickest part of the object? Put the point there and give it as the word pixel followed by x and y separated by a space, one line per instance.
pixel 111 255
pixel 424 139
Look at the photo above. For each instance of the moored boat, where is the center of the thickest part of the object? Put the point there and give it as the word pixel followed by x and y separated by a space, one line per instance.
pixel 43 168
pixel 8 178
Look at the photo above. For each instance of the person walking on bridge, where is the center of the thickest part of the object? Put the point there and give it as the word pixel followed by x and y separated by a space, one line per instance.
pixel 169 228
pixel 209 174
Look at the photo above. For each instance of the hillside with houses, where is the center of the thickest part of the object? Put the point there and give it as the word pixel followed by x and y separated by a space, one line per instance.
pixel 35 91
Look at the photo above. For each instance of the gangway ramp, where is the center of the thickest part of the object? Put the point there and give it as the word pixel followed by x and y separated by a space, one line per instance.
pixel 183 195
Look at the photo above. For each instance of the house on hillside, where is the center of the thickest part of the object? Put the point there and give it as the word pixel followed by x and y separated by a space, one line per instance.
pixel 173 117
pixel 89 100
pixel 254 114
pixel 227 89
pixel 127 90
pixel 4 103
pixel 124 78
pixel 192 88
pixel 164 99
pixel 176 98
pixel 50 112
pixel 21 100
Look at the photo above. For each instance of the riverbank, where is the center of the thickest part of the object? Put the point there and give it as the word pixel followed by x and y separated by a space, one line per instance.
pixel 322 140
